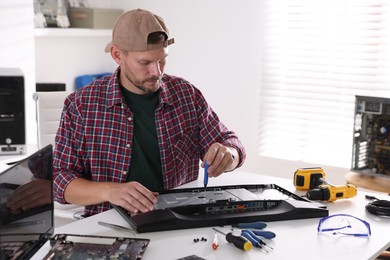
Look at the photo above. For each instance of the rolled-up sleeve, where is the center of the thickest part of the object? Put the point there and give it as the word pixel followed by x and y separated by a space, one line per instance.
pixel 67 165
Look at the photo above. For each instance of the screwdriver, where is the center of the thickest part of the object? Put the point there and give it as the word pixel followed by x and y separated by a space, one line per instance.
pixel 255 240
pixel 238 241
pixel 215 244
pixel 254 225
pixel 265 234
pixel 206 176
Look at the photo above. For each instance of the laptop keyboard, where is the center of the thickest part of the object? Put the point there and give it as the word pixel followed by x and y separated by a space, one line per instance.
pixel 13 250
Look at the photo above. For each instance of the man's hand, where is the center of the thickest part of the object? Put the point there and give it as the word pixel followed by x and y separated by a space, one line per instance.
pixel 220 159
pixel 132 196
pixel 30 195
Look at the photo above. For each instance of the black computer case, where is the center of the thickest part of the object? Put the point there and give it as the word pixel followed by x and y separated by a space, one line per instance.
pixel 371 136
pixel 12 112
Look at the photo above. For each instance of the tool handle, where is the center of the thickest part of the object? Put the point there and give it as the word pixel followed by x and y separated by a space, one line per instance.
pixel 254 225
pixel 251 239
pixel 265 234
pixel 206 174
pixel 239 242
pixel 257 240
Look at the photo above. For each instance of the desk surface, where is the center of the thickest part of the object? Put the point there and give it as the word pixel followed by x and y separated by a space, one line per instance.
pixel 377 183
pixel 295 239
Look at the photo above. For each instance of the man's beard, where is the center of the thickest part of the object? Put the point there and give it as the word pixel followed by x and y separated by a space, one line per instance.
pixel 138 84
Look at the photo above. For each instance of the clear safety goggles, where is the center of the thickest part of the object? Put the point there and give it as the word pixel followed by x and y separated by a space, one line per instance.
pixel 344 224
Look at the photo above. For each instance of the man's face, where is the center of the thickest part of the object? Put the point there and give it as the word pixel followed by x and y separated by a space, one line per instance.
pixel 141 72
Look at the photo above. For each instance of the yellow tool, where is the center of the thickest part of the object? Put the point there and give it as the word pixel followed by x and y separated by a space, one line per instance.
pixel 313 180
pixel 238 241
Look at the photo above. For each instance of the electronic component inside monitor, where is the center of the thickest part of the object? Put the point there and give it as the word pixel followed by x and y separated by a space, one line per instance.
pixel 222 201
pixel 203 197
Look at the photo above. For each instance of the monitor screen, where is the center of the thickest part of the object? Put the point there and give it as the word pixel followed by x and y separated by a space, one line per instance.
pixel 26 200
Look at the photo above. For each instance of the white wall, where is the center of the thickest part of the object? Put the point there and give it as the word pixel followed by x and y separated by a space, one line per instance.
pixel 218 48
pixel 17 50
pixel 60 59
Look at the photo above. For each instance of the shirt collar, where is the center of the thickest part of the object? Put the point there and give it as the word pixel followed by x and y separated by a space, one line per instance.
pixel 114 96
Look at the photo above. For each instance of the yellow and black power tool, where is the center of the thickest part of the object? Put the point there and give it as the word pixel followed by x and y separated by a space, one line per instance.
pixel 313 180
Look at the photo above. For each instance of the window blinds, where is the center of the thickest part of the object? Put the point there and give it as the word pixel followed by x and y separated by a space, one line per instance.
pixel 318 55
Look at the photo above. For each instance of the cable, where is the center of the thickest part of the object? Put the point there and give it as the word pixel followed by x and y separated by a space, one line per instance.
pixel 378 207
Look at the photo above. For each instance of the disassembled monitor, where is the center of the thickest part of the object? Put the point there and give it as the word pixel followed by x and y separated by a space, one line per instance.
pixel 222 205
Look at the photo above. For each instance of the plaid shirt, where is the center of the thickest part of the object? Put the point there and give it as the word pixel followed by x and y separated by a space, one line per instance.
pixel 94 139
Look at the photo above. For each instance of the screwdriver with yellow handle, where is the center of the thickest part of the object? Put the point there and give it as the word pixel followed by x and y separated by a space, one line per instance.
pixel 238 241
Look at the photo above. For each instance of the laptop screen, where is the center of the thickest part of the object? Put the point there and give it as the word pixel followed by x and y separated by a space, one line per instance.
pixel 26 200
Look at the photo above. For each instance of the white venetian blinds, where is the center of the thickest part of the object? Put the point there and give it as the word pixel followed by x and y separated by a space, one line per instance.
pixel 318 55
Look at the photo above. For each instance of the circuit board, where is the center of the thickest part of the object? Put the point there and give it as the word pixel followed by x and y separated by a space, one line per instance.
pixel 94 247
pixel 371 148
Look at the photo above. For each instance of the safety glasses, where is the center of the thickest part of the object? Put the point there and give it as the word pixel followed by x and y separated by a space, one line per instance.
pixel 344 224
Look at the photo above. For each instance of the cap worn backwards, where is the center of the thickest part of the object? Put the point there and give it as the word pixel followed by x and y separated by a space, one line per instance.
pixel 131 31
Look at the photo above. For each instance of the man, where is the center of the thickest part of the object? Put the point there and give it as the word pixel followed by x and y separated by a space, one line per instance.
pixel 129 135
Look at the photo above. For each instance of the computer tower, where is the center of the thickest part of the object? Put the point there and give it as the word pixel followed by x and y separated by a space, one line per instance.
pixel 12 113
pixel 371 136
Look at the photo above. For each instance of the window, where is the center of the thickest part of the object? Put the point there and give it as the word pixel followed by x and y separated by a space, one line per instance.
pixel 318 55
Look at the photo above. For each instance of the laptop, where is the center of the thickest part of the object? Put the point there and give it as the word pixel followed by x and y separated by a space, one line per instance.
pixel 25 229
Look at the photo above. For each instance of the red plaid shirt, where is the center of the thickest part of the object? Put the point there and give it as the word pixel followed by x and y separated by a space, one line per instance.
pixel 94 139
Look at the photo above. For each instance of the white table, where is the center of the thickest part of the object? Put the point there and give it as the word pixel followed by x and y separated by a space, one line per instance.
pixel 295 239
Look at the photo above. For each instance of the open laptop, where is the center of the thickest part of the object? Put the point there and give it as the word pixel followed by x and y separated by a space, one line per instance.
pixel 23 231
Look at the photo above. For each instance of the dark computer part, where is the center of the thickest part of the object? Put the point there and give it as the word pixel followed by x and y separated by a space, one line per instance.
pixel 222 205
pixel 65 246
pixel 12 114
pixel 371 136
pixel 24 231
pixel 47 87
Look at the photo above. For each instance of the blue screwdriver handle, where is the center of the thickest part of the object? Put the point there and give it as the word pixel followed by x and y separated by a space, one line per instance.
pixel 257 240
pixel 206 174
pixel 254 225
pixel 251 239
pixel 265 234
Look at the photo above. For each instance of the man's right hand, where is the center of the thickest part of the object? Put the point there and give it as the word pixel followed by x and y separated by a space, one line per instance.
pixel 132 196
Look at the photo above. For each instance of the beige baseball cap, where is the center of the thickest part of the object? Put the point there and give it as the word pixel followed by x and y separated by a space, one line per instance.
pixel 132 28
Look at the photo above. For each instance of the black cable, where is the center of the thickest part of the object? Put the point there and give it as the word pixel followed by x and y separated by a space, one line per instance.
pixel 378 207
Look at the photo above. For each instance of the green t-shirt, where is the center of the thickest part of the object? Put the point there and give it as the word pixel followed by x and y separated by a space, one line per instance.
pixel 145 166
